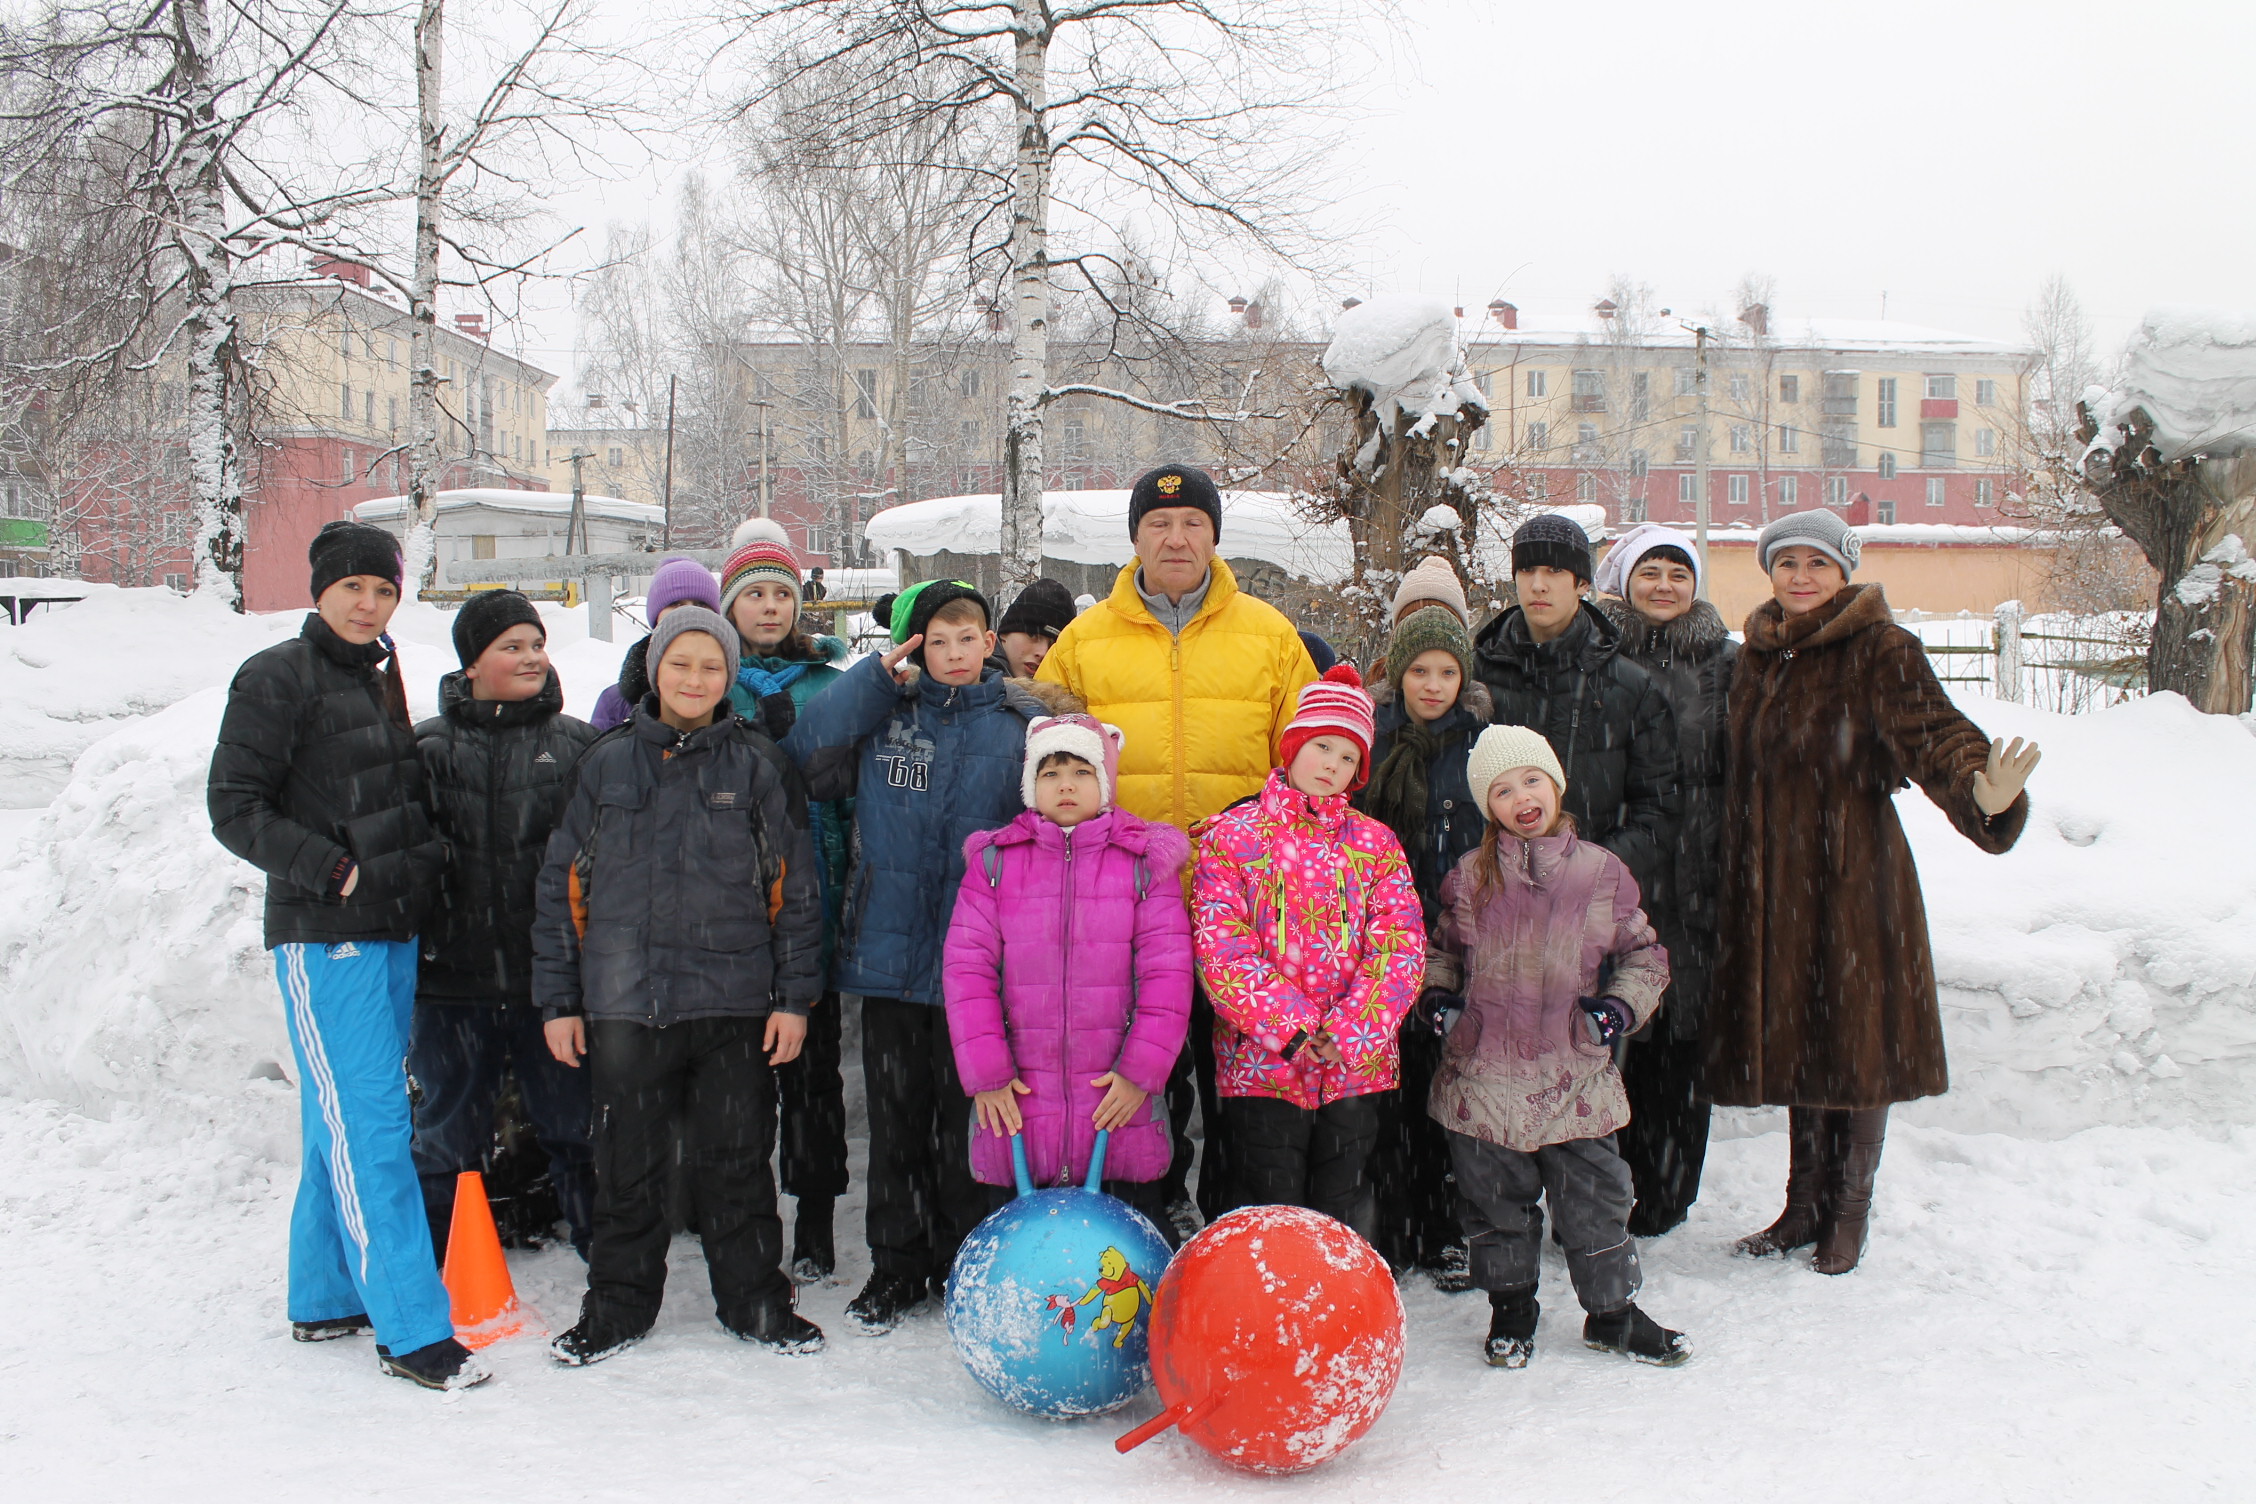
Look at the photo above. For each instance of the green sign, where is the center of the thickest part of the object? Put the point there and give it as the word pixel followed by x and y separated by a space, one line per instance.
pixel 22 532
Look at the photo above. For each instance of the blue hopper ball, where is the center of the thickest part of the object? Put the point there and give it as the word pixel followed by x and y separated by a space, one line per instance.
pixel 1049 1303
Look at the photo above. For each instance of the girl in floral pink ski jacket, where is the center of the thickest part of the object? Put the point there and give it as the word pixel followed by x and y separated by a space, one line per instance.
pixel 1311 946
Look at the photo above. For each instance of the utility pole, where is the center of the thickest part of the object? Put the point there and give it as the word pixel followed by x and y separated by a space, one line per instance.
pixel 668 496
pixel 763 407
pixel 1700 451
pixel 576 523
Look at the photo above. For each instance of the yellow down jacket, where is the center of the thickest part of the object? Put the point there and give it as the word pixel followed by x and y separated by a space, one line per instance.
pixel 1200 714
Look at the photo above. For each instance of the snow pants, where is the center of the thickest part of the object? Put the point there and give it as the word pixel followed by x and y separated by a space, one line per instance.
pixel 458 1054
pixel 1410 1167
pixel 1193 1082
pixel 1666 1138
pixel 1587 1184
pixel 358 1238
pixel 812 1090
pixel 1283 1155
pixel 922 1197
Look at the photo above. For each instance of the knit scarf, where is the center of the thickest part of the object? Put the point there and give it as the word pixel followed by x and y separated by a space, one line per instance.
pixel 764 682
pixel 1397 794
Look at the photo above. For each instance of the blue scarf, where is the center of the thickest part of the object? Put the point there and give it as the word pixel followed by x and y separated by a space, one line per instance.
pixel 762 683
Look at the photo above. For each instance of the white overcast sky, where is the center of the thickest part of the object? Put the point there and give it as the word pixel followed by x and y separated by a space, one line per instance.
pixel 1951 154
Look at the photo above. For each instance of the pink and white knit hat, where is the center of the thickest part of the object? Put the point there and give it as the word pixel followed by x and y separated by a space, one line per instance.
pixel 763 551
pixel 1334 705
pixel 1085 737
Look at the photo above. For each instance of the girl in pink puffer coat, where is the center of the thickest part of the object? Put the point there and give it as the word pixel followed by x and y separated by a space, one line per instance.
pixel 1067 973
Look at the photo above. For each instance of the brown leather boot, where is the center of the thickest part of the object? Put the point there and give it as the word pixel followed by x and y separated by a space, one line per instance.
pixel 1855 1164
pixel 1798 1225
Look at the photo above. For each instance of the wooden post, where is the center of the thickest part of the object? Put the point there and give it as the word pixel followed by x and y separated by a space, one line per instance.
pixel 2008 641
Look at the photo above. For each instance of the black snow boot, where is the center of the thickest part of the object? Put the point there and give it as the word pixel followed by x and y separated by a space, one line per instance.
pixel 445 1364
pixel 884 1301
pixel 1634 1334
pixel 328 1331
pixel 1511 1327
pixel 592 1339
pixel 814 1254
pixel 780 1329
pixel 1452 1269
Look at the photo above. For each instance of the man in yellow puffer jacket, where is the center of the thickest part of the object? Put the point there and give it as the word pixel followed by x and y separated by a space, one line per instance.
pixel 1202 680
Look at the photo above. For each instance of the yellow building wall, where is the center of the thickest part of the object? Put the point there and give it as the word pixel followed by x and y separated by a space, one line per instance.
pixel 1921 577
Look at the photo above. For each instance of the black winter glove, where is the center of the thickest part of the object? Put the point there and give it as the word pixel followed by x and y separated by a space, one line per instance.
pixel 1437 1009
pixel 1607 1017
pixel 777 714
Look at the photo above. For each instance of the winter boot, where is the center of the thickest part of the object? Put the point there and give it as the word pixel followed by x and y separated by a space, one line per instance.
pixel 1511 1327
pixel 1634 1334
pixel 1806 1187
pixel 328 1331
pixel 780 1329
pixel 445 1364
pixel 1452 1269
pixel 884 1302
pixel 1855 1164
pixel 592 1339
pixel 814 1256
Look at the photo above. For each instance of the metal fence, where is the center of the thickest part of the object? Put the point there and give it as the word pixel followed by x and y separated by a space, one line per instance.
pixel 2056 661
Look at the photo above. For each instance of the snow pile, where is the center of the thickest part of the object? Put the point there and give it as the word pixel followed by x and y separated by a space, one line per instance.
pixel 1091 527
pixel 2192 371
pixel 1404 352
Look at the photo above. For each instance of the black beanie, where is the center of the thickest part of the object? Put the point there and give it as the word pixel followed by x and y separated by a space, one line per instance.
pixel 1042 609
pixel 343 549
pixel 1174 486
pixel 1549 540
pixel 488 614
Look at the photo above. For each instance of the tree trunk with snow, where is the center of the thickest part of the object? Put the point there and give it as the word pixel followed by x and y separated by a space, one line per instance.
pixel 199 235
pixel 423 454
pixel 2194 518
pixel 1030 303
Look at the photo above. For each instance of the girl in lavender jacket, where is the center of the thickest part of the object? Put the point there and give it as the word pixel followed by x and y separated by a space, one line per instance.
pixel 1067 973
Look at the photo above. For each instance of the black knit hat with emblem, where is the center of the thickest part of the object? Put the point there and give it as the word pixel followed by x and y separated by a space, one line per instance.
pixel 1174 486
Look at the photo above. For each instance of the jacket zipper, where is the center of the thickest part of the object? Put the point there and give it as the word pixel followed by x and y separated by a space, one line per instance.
pixel 1175 680
pixel 1065 1011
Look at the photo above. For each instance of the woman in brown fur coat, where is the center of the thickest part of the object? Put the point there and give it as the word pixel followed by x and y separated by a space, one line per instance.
pixel 1825 996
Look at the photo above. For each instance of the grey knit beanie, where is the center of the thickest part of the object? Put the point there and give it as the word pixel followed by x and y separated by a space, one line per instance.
pixel 690 618
pixel 1822 530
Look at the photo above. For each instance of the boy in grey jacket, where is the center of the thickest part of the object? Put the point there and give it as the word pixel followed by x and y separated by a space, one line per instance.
pixel 678 949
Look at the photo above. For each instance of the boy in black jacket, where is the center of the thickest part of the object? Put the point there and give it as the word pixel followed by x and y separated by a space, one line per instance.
pixel 315 781
pixel 499 759
pixel 678 949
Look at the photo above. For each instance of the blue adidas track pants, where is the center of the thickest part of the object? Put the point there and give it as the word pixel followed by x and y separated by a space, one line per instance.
pixel 359 1241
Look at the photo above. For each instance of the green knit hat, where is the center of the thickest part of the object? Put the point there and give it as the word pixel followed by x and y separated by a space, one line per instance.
pixel 1422 631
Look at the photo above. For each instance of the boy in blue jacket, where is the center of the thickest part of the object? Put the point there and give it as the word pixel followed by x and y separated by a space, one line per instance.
pixel 930 741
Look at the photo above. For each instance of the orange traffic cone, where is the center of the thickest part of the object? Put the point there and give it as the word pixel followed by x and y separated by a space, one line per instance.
pixel 477 1276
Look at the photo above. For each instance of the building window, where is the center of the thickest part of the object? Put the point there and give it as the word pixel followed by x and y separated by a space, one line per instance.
pixel 1789 388
pixel 615 456
pixel 1539 486
pixel 1836 490
pixel 177 582
pixel 1887 464
pixel 1789 491
pixel 1884 405
pixel 1586 487
pixel 967 435
pixel 391 412
pixel 1539 437
pixel 865 394
pixel 1640 463
pixel 347 468
pixel 1943 388
pixel 1539 383
pixel 1840 394
pixel 1985 442
pixel 1735 490
pixel 1838 444
pixel 174 526
pixel 1985 392
pixel 1687 381
pixel 1789 439
pixel 1742 439
pixel 344 344
pixel 1688 442
pixel 1884 511
pixel 967 384
pixel 1633 508
pixel 1985 494
pixel 344 402
pixel 1586 444
pixel 1076 446
pixel 1589 391
pixel 818 539
pixel 1641 395
pixel 1739 387
pixel 1688 489
pixel 1938 446
pixel 391 360
pixel 1935 490
pixel 368 408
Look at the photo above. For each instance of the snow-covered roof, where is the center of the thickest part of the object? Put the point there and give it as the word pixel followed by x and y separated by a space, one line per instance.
pixel 530 503
pixel 1844 336
pixel 1091 527
pixel 2193 371
pixel 1926 534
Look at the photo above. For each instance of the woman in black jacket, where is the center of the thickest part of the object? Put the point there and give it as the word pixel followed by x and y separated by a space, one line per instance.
pixel 1681 641
pixel 315 781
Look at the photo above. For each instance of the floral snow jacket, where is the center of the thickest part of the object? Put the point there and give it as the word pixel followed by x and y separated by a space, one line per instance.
pixel 1519 1068
pixel 1304 919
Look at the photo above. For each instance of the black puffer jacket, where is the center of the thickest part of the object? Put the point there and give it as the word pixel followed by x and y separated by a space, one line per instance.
pixel 315 770
pixel 1453 822
pixel 685 861
pixel 499 773
pixel 1610 725
pixel 1691 659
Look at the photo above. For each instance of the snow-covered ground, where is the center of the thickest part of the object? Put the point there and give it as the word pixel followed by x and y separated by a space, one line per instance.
pixel 2053 1306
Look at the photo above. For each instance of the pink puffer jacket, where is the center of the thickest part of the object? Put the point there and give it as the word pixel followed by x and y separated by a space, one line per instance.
pixel 1562 923
pixel 1069 956
pixel 1306 919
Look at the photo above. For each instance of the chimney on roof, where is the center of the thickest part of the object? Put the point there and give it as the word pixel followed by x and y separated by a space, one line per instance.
pixel 1459 310
pixel 342 270
pixel 1253 315
pixel 1756 316
pixel 1504 314
pixel 472 324
pixel 1607 308
pixel 1347 303
pixel 595 399
pixel 1238 306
